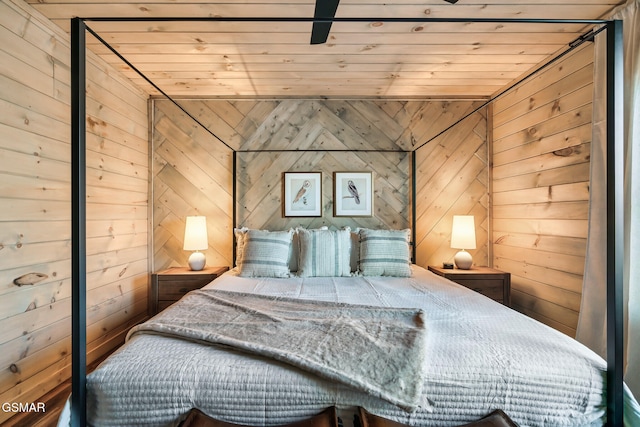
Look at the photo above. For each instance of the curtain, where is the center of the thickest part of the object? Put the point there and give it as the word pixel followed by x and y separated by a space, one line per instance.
pixel 591 328
pixel 631 22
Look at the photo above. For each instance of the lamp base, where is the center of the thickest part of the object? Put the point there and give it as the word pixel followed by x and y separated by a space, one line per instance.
pixel 463 260
pixel 197 261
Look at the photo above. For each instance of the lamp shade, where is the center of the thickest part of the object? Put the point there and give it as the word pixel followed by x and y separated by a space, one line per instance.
pixel 195 234
pixel 463 232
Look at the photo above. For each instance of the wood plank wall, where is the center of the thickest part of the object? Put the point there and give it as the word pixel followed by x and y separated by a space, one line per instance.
pixel 343 126
pixel 542 135
pixel 260 188
pixel 186 182
pixel 192 175
pixel 35 352
pixel 453 179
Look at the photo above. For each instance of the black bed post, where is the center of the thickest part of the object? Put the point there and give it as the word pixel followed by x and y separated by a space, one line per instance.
pixel 78 225
pixel 413 206
pixel 615 223
pixel 234 208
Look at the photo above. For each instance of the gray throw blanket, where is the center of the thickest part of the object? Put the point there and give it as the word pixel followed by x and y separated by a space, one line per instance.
pixel 378 350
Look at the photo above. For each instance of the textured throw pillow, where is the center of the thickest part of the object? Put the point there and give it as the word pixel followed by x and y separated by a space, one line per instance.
pixel 265 254
pixel 295 248
pixel 239 233
pixel 324 253
pixel 384 253
pixel 355 249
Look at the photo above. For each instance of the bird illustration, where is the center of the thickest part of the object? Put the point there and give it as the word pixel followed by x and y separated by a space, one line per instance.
pixel 353 190
pixel 302 191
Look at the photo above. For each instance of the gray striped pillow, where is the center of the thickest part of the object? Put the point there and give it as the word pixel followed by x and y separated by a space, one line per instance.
pixel 324 253
pixel 384 253
pixel 265 254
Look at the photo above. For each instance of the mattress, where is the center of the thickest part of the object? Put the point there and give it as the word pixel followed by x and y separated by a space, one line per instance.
pixel 480 356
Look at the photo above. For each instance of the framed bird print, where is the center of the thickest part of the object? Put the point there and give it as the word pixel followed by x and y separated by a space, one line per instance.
pixel 302 194
pixel 352 194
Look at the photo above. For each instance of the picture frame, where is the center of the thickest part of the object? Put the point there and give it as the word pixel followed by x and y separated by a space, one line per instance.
pixel 353 194
pixel 302 194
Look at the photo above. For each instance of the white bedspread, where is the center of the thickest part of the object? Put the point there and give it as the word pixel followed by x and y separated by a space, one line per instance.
pixel 316 336
pixel 480 356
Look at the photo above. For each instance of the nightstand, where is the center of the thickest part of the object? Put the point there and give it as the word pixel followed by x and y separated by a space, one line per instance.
pixel 488 281
pixel 169 285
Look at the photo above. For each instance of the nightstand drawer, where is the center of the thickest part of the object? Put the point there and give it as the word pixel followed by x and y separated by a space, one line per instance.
pixel 176 289
pixel 490 282
pixel 491 288
pixel 170 285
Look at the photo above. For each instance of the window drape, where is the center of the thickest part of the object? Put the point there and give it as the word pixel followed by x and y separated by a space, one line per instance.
pixel 592 321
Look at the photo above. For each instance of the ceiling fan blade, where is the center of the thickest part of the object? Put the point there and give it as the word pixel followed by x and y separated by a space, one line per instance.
pixel 325 9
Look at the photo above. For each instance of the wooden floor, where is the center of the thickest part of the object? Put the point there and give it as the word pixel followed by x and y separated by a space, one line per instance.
pixel 54 403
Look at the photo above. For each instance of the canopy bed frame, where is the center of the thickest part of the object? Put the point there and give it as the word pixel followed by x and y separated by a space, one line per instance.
pixel 614 163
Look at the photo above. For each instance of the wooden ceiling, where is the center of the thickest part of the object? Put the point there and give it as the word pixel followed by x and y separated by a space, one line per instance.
pixel 368 58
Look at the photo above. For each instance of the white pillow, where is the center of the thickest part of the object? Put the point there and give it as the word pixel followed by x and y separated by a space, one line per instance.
pixel 384 253
pixel 324 253
pixel 265 253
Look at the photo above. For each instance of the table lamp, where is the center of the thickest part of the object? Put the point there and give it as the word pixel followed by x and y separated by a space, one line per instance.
pixel 195 239
pixel 463 236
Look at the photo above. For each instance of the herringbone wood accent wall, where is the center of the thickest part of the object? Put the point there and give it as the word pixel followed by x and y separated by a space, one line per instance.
pixel 192 175
pixel 452 176
pixel 192 169
pixel 260 189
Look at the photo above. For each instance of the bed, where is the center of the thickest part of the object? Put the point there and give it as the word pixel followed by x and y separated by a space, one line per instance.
pixel 477 356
